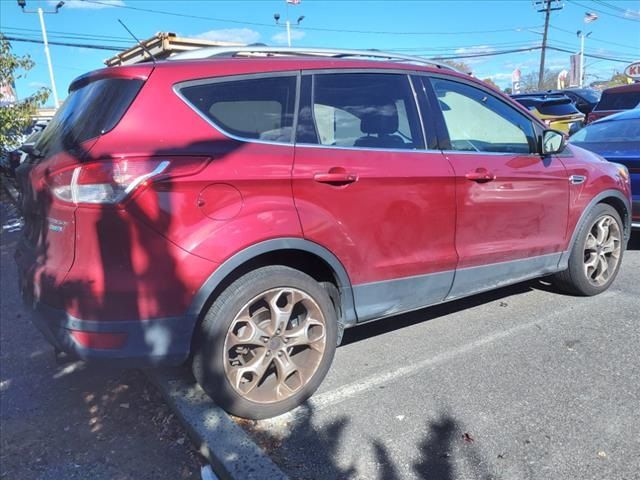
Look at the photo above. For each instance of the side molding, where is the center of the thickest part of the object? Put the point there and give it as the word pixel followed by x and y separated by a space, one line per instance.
pixel 229 265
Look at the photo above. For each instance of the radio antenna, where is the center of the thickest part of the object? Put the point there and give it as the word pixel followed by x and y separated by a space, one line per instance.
pixel 142 45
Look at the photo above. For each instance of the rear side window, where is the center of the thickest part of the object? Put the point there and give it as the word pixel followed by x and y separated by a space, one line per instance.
pixel 254 108
pixel 88 112
pixel 619 101
pixel 366 110
pixel 478 122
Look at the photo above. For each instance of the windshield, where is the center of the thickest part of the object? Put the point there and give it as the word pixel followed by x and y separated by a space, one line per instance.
pixel 618 101
pixel 617 131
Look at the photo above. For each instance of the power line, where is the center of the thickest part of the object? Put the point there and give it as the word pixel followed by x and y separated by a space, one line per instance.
pixel 604 12
pixel 78 34
pixel 319 29
pixel 436 57
pixel 626 11
pixel 66 44
pixel 593 39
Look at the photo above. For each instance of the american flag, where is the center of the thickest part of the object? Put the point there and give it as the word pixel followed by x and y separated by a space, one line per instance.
pixel 590 17
pixel 294 2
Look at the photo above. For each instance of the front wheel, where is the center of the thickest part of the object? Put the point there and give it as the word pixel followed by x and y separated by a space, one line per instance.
pixel 266 343
pixel 596 254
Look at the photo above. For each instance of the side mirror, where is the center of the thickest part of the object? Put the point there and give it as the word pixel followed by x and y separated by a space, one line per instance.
pixel 552 142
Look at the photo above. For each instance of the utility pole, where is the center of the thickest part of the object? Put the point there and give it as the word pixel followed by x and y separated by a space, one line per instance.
pixel 22 4
pixel 546 7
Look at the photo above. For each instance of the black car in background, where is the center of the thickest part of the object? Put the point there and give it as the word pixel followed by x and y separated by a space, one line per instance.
pixel 585 99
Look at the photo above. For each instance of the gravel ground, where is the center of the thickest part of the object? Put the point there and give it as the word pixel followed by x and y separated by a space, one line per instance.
pixel 72 421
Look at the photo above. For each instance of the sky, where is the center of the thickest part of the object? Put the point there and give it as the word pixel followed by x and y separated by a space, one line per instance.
pixel 428 28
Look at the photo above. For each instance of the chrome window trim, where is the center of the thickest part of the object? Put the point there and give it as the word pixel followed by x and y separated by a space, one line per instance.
pixel 229 78
pixel 493 154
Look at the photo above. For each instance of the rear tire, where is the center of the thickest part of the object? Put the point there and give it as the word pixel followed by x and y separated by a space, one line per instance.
pixel 596 254
pixel 266 343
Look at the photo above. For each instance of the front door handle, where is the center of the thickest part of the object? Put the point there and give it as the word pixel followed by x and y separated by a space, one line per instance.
pixel 480 175
pixel 336 177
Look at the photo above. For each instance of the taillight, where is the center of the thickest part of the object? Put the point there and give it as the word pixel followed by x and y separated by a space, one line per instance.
pixel 105 182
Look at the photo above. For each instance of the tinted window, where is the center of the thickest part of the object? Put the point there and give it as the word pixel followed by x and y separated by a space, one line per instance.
pixel 616 131
pixel 591 96
pixel 257 108
pixel 478 121
pixel 619 101
pixel 89 111
pixel 557 108
pixel 367 110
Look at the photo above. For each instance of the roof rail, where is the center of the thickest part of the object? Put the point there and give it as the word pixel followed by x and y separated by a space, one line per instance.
pixel 231 52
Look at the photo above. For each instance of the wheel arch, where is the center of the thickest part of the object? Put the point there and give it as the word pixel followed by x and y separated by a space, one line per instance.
pixel 298 253
pixel 614 198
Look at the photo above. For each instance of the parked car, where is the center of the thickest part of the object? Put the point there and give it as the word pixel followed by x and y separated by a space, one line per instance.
pixel 617 138
pixel 616 99
pixel 556 110
pixel 585 99
pixel 242 207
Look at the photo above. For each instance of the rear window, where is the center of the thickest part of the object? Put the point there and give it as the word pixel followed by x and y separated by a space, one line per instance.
pixel 253 108
pixel 618 101
pixel 557 109
pixel 88 112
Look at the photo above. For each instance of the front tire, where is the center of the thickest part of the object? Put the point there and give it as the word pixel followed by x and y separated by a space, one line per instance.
pixel 596 254
pixel 266 343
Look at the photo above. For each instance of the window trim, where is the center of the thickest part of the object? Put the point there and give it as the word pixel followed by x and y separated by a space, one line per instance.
pixel 177 89
pixel 443 132
pixel 406 73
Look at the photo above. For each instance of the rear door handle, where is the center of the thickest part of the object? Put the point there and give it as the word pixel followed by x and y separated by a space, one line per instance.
pixel 480 175
pixel 336 178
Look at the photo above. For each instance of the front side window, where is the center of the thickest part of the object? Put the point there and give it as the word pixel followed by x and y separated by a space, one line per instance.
pixel 366 110
pixel 479 122
pixel 255 108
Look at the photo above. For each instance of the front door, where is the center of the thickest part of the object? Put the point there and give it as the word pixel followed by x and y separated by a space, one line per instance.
pixel 512 203
pixel 367 189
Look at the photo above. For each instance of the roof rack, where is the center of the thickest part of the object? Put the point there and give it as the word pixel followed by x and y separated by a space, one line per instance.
pixel 231 52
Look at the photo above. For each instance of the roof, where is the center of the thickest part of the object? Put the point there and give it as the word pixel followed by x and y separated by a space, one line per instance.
pixel 262 51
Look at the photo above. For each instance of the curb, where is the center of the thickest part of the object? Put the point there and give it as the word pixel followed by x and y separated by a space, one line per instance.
pixel 232 454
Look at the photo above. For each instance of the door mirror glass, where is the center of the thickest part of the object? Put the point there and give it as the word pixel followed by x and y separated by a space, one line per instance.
pixel 552 142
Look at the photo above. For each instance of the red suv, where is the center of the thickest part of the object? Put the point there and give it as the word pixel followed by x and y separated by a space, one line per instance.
pixel 243 210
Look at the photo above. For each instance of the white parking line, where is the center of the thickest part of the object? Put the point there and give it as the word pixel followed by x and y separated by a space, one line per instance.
pixel 343 393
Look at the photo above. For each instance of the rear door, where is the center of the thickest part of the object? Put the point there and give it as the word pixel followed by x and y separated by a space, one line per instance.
pixel 367 189
pixel 512 204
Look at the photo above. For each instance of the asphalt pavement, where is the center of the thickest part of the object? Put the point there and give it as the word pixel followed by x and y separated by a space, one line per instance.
pixel 520 383
pixel 73 421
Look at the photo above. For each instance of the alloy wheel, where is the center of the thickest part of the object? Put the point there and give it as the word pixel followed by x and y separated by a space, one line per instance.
pixel 274 345
pixel 602 250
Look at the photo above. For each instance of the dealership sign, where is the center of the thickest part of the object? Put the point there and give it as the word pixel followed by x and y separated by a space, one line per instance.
pixel 633 71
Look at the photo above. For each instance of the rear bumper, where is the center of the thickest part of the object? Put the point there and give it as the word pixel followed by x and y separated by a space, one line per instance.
pixel 163 341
